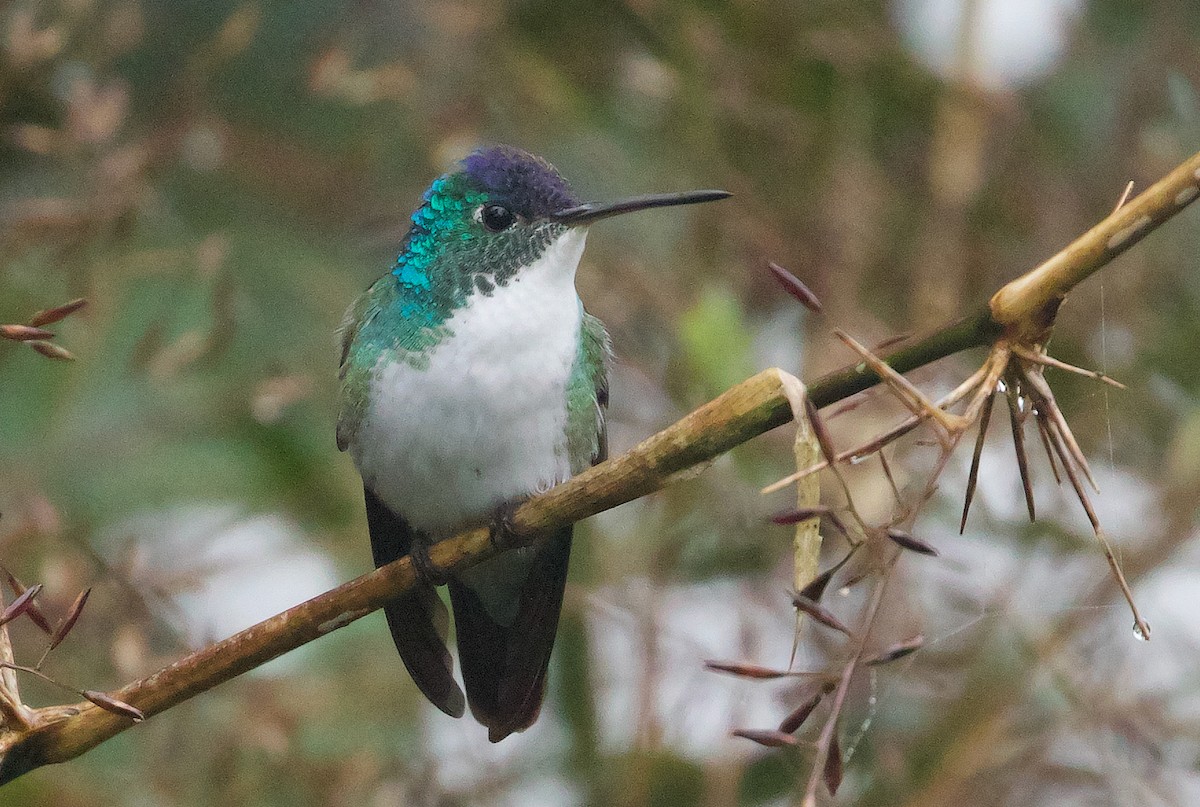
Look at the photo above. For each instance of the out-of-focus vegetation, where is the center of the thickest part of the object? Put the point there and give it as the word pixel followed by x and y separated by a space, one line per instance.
pixel 220 180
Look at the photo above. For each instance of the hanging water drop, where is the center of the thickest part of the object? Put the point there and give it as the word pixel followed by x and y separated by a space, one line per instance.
pixel 1142 631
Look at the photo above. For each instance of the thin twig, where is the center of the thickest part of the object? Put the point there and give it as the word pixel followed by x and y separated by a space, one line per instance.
pixel 1050 361
pixel 907 394
pixel 825 740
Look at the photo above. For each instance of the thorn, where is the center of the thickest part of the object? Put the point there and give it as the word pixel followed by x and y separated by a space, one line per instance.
pixel 1044 433
pixel 1018 432
pixel 1050 361
pixel 1046 403
pixel 973 477
pixel 111 704
pixel 1124 197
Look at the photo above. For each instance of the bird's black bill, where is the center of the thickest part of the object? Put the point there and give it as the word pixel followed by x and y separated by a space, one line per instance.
pixel 590 212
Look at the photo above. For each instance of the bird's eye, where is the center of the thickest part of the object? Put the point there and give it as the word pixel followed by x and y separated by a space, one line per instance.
pixel 496 217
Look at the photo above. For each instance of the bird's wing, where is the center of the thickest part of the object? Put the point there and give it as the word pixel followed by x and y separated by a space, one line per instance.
pixel 504 656
pixel 417 619
pixel 353 377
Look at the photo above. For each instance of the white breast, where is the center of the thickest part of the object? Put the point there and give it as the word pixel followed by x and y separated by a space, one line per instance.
pixel 485 421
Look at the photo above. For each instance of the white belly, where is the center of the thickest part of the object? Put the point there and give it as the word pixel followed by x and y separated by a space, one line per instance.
pixel 485 421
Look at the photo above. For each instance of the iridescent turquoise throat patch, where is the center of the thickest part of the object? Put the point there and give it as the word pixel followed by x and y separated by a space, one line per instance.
pixel 448 255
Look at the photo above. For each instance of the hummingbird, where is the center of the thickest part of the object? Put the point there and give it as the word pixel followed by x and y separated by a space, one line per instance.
pixel 472 379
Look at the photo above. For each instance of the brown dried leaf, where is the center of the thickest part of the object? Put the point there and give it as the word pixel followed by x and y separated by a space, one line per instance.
pixel 771 738
pixel 820 614
pixel 51 315
pixel 795 287
pixel 911 543
pixel 111 704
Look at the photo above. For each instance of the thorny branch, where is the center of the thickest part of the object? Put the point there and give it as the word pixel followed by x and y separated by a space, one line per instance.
pixel 1020 314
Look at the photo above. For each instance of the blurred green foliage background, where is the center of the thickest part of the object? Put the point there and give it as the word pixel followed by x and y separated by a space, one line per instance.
pixel 221 179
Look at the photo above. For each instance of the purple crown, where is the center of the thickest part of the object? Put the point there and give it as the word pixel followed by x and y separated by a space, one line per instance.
pixel 527 184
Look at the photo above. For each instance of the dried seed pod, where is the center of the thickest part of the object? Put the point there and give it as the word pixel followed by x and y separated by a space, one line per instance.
pixel 795 287
pixel 746 670
pixel 34 611
pixel 800 514
pixel 816 589
pixel 771 738
pixel 20 605
pixel 832 773
pixel 820 614
pixel 796 719
pixel 69 620
pixel 897 651
pixel 24 333
pixel 820 432
pixel 51 315
pixel 911 543
pixel 51 350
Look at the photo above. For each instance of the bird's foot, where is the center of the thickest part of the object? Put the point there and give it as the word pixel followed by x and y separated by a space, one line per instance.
pixel 502 531
pixel 426 570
